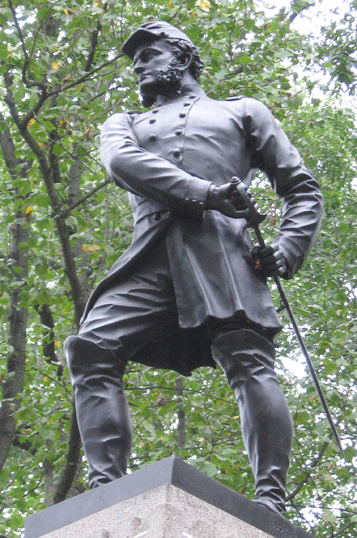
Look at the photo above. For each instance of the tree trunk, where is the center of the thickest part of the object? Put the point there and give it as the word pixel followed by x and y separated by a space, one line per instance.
pixel 14 380
pixel 181 419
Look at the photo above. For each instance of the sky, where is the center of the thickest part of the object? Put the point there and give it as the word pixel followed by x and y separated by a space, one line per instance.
pixel 314 17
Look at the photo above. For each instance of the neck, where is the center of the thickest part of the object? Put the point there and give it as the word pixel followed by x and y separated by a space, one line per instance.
pixel 172 91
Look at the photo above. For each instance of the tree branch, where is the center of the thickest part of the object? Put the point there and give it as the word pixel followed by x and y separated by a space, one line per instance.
pixel 74 447
pixel 84 198
pixel 48 344
pixel 86 76
pixel 25 80
pixel 93 46
pixel 70 268
pixel 344 528
pixel 307 473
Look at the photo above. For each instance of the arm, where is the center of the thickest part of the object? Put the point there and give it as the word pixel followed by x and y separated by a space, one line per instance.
pixel 146 174
pixel 302 199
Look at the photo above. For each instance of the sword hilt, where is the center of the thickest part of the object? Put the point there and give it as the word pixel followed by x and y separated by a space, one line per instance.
pixel 254 218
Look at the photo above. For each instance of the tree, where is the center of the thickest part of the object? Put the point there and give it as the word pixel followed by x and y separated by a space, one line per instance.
pixel 64 224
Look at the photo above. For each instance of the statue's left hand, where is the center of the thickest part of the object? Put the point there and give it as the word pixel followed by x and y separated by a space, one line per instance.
pixel 270 260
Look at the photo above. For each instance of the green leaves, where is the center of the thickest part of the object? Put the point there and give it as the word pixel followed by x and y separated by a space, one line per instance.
pixel 62 74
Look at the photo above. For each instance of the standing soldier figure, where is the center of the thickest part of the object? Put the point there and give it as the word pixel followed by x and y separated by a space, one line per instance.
pixel 186 293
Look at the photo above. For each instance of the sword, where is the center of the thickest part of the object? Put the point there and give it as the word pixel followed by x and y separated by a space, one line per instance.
pixel 254 218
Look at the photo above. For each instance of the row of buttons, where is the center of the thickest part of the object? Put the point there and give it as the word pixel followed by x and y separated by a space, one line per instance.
pixel 181 115
pixel 179 131
pixel 153 137
pixel 194 202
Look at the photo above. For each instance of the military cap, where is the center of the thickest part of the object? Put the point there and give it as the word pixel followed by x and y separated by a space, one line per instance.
pixel 150 32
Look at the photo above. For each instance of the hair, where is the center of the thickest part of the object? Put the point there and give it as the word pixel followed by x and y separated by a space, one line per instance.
pixel 180 47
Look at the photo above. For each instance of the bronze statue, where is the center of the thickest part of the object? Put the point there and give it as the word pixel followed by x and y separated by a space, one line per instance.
pixel 186 293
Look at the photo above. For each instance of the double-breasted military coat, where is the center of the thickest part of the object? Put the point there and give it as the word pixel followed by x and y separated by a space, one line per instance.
pixel 167 158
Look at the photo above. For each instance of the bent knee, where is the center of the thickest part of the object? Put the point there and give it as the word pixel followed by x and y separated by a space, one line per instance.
pixel 83 354
pixel 74 348
pixel 79 351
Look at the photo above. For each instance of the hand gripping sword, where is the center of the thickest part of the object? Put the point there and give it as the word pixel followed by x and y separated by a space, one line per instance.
pixel 254 218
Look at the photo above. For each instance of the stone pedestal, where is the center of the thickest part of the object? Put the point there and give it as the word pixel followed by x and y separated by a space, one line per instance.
pixel 168 499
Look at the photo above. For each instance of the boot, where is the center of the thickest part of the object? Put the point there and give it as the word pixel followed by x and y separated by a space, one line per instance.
pixel 247 358
pixel 102 411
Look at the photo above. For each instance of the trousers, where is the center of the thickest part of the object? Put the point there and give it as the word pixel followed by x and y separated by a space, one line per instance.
pixel 135 312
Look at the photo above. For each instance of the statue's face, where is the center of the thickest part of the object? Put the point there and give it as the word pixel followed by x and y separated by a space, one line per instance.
pixel 157 69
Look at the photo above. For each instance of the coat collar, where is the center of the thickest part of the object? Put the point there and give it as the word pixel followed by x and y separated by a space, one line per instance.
pixel 187 89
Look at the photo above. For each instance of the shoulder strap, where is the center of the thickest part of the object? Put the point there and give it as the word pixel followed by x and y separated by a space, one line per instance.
pixel 235 97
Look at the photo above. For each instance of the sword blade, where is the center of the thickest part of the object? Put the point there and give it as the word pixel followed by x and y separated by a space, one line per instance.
pixel 309 364
pixel 254 219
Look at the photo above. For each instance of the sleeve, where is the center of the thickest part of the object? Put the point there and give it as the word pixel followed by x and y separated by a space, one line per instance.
pixel 146 174
pixel 273 153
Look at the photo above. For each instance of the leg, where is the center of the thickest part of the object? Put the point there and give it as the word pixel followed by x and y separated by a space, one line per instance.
pixel 102 410
pixel 247 359
pixel 122 322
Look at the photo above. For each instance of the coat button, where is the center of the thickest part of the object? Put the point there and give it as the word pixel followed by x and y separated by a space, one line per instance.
pixel 182 115
pixel 157 215
pixel 176 153
pixel 179 132
pixel 186 104
pixel 155 111
pixel 152 137
pixel 152 120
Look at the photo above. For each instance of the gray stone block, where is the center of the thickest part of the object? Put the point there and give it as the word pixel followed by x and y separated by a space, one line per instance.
pixel 167 499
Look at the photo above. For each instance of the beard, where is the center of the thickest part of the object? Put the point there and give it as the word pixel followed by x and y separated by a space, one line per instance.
pixel 168 83
pixel 170 76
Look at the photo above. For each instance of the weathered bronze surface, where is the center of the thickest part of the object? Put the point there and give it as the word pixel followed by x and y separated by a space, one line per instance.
pixel 188 291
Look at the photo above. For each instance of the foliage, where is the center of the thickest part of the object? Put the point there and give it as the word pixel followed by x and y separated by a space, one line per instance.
pixel 337 50
pixel 63 225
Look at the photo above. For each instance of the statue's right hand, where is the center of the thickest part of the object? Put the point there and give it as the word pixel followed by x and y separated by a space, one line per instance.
pixel 227 200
